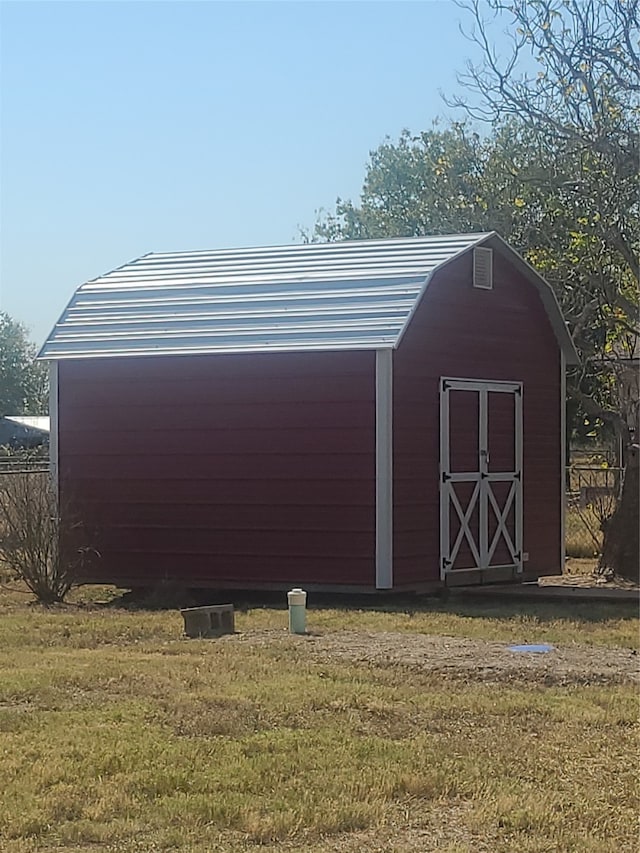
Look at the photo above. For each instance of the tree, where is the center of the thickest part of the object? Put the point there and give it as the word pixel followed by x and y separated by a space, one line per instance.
pixel 23 381
pixel 444 181
pixel 556 175
pixel 453 180
pixel 583 107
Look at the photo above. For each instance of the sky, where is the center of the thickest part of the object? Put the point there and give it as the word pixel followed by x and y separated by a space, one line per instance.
pixel 131 127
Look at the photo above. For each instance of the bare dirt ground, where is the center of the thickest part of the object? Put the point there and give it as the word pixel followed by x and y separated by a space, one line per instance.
pixel 451 657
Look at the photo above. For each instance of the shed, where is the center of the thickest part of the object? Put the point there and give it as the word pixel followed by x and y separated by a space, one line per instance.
pixel 366 415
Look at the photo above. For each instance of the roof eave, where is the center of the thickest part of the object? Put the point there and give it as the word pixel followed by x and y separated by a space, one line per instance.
pixel 199 351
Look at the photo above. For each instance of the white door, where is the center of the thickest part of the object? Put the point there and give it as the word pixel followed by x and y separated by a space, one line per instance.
pixel 480 476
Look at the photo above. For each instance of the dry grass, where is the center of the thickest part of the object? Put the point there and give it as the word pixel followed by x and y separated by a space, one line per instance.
pixel 118 735
pixel 582 533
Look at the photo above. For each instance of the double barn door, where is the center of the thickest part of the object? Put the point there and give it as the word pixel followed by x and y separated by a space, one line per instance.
pixel 480 480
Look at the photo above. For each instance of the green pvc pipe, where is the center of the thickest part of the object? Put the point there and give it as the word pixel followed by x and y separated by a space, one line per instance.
pixel 297 599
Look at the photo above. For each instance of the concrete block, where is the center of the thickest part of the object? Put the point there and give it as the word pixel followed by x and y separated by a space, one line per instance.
pixel 213 620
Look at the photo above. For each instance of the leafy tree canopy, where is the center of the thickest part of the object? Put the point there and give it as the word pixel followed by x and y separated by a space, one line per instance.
pixel 555 173
pixel 581 105
pixel 23 381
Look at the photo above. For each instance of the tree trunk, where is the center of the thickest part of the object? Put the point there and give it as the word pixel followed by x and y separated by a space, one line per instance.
pixel 620 549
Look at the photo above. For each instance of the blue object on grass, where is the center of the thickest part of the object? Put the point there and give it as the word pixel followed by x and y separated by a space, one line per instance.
pixel 539 648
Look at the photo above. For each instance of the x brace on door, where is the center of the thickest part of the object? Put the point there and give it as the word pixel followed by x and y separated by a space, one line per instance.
pixel 465 523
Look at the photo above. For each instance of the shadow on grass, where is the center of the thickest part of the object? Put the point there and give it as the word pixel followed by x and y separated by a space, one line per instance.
pixel 171 598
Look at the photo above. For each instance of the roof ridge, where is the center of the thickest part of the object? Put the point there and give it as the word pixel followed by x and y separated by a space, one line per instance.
pixel 368 242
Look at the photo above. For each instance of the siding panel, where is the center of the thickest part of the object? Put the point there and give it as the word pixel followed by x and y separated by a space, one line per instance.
pixel 227 469
pixel 218 468
pixel 195 441
pixel 234 570
pixel 220 414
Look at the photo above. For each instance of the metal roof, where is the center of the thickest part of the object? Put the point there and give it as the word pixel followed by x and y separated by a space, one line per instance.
pixel 41 423
pixel 318 296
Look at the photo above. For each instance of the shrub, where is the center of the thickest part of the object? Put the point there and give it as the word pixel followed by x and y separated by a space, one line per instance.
pixel 39 544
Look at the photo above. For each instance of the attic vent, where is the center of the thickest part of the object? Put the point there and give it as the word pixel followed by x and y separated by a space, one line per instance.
pixel 483 268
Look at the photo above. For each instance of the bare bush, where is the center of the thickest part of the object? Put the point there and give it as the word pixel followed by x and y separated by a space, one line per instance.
pixel 596 514
pixel 594 497
pixel 39 545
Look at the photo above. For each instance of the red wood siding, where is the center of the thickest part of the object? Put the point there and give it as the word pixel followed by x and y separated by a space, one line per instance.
pixel 233 468
pixel 463 332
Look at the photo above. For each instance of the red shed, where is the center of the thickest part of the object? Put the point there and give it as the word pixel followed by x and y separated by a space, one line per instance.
pixel 361 415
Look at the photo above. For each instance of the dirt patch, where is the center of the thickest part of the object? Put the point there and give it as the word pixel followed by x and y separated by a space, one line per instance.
pixel 437 828
pixel 452 657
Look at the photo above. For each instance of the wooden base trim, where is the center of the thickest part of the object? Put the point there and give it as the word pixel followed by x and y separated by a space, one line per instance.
pixel 475 577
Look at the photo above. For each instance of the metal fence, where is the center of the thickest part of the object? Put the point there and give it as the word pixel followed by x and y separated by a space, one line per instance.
pixel 28 464
pixel 587 483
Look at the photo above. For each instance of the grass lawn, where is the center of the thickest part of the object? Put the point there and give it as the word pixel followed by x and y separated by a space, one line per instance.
pixel 116 734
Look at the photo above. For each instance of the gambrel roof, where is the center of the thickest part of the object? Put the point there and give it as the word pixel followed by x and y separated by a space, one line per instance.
pixel 316 296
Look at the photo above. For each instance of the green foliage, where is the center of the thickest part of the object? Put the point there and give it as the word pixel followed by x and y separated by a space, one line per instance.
pixel 426 184
pixel 581 107
pixel 23 381
pixel 442 182
pixel 555 175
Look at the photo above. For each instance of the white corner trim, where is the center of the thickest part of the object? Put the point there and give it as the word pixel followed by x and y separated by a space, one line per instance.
pixel 563 456
pixel 54 451
pixel 384 469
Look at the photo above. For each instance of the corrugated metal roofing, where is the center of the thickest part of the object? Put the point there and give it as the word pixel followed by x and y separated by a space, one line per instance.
pixel 328 296
pixel 318 296
pixel 41 423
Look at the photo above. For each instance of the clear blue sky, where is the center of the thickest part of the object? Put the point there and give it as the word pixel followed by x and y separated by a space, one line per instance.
pixel 130 127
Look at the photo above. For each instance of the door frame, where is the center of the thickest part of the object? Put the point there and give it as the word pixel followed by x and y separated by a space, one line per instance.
pixel 482 494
